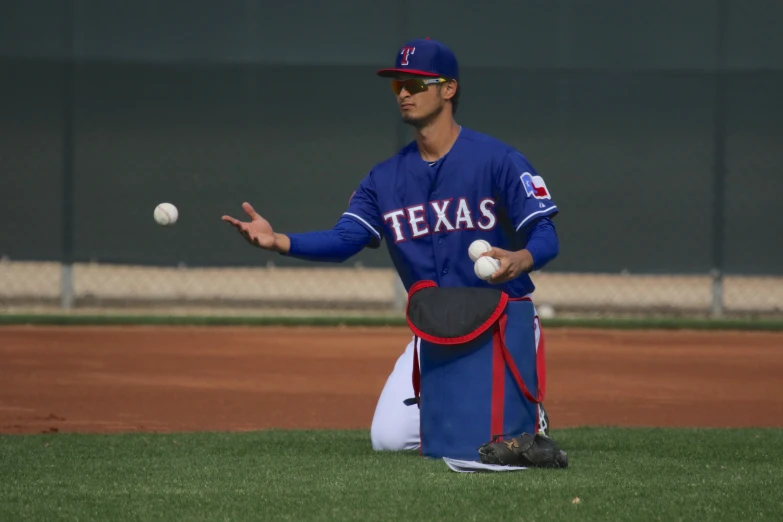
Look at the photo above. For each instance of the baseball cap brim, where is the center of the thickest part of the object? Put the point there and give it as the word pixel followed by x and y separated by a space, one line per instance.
pixel 392 73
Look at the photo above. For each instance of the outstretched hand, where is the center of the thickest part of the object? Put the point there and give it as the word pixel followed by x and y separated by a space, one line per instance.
pixel 257 231
pixel 512 264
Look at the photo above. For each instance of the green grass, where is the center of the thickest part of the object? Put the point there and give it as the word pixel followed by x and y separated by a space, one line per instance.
pixel 176 320
pixel 617 474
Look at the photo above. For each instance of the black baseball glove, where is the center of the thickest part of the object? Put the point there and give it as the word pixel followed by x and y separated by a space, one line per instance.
pixel 533 451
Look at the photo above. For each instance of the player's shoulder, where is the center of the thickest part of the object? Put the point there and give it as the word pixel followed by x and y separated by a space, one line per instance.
pixel 388 166
pixel 486 144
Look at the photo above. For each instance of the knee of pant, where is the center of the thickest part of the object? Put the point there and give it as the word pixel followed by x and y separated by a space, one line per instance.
pixel 387 438
pixel 383 440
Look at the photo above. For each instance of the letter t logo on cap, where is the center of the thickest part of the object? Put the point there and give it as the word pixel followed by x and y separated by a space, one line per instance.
pixel 406 51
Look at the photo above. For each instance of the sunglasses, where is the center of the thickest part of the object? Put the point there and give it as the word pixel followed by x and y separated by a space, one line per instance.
pixel 415 85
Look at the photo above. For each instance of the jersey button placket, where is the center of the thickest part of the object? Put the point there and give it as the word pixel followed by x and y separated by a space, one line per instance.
pixel 444 258
pixel 440 256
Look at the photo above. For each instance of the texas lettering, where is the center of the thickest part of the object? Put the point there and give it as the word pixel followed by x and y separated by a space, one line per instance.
pixel 449 215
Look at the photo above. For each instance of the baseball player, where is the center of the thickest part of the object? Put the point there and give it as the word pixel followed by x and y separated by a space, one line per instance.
pixel 450 186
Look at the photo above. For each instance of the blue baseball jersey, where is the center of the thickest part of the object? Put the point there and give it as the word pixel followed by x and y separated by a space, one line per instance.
pixel 430 213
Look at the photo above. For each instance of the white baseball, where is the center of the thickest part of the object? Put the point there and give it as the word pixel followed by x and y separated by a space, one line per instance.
pixel 166 214
pixel 546 311
pixel 485 266
pixel 477 248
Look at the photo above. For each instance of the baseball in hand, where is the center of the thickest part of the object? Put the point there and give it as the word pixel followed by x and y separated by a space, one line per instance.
pixel 166 214
pixel 477 248
pixel 485 266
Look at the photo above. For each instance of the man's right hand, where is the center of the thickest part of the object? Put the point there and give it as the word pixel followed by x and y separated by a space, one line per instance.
pixel 259 232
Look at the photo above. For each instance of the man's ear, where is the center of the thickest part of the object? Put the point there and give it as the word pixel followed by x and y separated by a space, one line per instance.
pixel 449 89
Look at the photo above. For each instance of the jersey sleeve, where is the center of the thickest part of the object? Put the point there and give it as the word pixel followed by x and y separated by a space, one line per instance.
pixel 523 192
pixel 363 209
pixel 339 244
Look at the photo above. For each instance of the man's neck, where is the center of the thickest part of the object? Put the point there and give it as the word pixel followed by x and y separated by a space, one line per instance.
pixel 437 138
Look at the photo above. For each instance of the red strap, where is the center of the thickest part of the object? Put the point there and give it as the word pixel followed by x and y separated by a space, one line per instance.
pixel 498 385
pixel 540 364
pixel 417 386
pixel 540 359
pixel 416 372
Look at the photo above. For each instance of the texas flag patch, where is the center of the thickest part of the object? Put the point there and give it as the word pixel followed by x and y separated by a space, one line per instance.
pixel 535 186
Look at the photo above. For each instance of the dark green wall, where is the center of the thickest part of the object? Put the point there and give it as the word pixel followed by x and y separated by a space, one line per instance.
pixel 615 103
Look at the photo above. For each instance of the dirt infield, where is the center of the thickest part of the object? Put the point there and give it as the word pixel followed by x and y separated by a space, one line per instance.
pixel 183 379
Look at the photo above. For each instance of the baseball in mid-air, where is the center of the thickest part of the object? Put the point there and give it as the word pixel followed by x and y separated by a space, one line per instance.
pixel 477 248
pixel 485 266
pixel 545 311
pixel 166 214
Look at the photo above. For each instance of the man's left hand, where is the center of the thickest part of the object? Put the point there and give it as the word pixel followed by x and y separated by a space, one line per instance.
pixel 512 264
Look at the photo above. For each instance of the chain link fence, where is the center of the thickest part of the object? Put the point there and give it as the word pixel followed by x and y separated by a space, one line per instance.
pixel 37 287
pixel 657 128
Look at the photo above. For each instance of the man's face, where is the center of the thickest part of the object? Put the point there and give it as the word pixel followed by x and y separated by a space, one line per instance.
pixel 420 99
